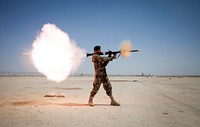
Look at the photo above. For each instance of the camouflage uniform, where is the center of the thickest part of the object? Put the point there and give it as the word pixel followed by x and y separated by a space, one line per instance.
pixel 100 75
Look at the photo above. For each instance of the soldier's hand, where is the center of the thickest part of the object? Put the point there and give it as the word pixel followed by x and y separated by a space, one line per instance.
pixel 114 56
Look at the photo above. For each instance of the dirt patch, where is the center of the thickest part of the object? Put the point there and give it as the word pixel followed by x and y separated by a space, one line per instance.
pixel 75 88
pixel 35 103
pixel 123 80
pixel 165 113
pixel 23 103
pixel 72 104
pixel 29 103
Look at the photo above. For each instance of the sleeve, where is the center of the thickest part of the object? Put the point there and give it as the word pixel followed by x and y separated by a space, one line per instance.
pixel 97 58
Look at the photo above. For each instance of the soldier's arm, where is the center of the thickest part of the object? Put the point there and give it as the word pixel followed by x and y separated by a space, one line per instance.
pixel 113 57
pixel 104 59
pixel 105 63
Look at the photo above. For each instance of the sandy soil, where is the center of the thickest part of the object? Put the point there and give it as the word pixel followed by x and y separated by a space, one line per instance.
pixel 145 102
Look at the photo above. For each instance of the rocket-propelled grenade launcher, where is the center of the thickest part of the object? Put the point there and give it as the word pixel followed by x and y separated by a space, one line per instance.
pixel 109 53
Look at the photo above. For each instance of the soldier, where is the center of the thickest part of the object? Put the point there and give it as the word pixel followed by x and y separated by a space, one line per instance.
pixel 100 76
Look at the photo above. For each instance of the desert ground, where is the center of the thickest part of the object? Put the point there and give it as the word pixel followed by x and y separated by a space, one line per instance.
pixel 145 102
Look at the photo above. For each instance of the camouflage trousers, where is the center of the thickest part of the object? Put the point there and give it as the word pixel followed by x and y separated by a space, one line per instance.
pixel 97 83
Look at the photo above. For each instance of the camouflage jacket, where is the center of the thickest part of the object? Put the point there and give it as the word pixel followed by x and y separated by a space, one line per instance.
pixel 100 64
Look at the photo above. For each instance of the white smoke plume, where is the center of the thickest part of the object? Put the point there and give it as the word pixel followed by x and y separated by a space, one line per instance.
pixel 54 54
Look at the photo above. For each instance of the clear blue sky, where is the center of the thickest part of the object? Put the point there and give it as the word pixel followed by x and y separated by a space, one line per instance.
pixel 167 31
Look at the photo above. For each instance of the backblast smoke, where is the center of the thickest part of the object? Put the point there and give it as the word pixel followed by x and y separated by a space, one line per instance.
pixel 54 54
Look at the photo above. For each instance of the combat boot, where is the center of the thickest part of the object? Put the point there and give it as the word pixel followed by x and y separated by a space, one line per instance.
pixel 90 101
pixel 113 102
